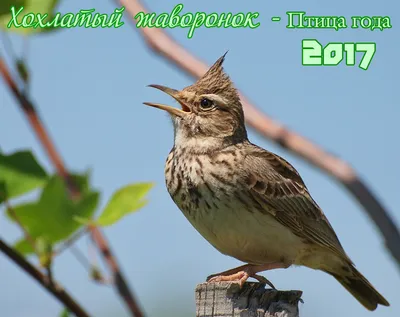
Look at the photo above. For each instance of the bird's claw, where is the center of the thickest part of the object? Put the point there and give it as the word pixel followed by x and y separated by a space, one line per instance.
pixel 263 280
pixel 240 277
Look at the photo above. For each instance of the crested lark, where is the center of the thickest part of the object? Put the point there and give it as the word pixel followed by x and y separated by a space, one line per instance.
pixel 247 202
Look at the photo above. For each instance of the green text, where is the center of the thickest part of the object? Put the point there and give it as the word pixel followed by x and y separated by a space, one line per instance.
pixel 299 20
pixel 83 18
pixel 314 54
pixel 196 20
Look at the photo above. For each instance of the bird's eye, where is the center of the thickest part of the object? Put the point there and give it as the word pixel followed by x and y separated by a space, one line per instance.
pixel 206 104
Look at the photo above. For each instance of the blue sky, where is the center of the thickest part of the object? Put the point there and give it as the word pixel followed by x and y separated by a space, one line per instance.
pixel 89 85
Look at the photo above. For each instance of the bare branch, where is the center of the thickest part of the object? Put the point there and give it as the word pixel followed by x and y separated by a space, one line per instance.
pixel 29 110
pixel 162 44
pixel 54 288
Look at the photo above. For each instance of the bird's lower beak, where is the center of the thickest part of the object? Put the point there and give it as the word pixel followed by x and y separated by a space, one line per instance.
pixel 174 94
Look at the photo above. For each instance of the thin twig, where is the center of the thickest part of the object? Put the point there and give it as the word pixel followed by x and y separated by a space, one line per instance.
pixel 88 266
pixel 117 278
pixel 69 243
pixel 10 51
pixel 55 289
pixel 96 274
pixel 50 276
pixel 37 126
pixel 33 117
pixel 162 44
pixel 79 256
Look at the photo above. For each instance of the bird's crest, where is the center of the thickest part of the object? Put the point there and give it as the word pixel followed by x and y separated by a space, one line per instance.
pixel 215 81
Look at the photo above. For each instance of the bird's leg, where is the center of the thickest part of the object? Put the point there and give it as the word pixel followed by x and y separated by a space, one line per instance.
pixel 242 273
pixel 229 272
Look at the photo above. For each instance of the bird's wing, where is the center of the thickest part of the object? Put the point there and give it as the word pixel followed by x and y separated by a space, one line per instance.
pixel 276 185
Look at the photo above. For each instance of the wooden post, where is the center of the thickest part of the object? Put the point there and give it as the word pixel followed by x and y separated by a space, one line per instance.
pixel 226 299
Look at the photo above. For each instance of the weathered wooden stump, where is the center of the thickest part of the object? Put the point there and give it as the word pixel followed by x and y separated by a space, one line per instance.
pixel 226 299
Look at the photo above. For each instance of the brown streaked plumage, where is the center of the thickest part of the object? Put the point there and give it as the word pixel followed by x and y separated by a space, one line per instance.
pixel 247 202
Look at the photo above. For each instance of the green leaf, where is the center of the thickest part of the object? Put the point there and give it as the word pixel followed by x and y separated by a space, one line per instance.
pixel 21 173
pixel 22 70
pixel 124 201
pixel 83 221
pixel 65 313
pixel 52 217
pixel 95 274
pixel 23 246
pixel 82 180
pixel 45 251
pixel 3 191
pixel 29 6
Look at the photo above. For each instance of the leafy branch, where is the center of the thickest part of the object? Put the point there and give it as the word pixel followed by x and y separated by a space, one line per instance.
pixel 50 219
pixel 63 197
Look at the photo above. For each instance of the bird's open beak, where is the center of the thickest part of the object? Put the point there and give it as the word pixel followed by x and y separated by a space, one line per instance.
pixel 174 94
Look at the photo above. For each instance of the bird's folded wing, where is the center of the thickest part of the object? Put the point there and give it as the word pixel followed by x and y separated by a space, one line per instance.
pixel 278 187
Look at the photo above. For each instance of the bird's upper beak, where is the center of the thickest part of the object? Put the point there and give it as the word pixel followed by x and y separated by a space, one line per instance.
pixel 174 94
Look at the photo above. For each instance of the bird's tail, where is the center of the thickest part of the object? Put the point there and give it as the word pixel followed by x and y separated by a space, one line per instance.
pixel 360 288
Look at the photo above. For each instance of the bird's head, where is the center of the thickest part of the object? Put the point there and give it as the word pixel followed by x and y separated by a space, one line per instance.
pixel 211 114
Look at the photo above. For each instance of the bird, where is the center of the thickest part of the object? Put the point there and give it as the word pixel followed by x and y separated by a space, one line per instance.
pixel 247 202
